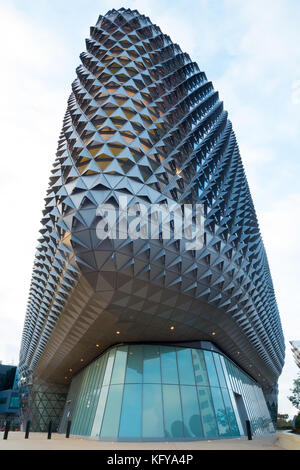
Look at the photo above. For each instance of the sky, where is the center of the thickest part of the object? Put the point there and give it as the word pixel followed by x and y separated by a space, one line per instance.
pixel 248 48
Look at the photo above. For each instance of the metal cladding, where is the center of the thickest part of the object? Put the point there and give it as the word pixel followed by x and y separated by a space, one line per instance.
pixel 143 121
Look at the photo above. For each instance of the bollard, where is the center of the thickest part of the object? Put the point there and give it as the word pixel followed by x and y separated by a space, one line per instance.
pixel 6 431
pixel 49 429
pixel 68 429
pixel 27 429
pixel 248 426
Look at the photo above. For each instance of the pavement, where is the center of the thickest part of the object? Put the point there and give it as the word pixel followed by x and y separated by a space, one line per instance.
pixel 39 441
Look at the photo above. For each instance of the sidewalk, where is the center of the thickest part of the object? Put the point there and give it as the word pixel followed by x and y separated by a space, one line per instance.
pixel 39 441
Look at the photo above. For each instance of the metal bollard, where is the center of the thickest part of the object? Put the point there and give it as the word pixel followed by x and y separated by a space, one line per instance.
pixel 27 429
pixel 49 429
pixel 6 431
pixel 248 426
pixel 68 429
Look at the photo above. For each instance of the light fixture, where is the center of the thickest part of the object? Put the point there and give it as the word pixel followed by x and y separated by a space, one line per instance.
pixel 213 333
pixel 172 328
pixel 70 370
pixel 97 345
pixel 81 360
pixel 118 332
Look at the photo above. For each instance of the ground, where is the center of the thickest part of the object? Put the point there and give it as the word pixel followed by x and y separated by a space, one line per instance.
pixel 39 441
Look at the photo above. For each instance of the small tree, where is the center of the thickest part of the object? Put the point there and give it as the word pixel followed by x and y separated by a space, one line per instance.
pixel 283 421
pixel 295 397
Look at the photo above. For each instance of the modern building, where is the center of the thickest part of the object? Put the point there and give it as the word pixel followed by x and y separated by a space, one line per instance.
pixel 142 338
pixel 9 403
pixel 296 351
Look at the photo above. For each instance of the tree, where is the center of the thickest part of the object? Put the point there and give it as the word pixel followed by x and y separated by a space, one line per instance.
pixel 295 397
pixel 283 421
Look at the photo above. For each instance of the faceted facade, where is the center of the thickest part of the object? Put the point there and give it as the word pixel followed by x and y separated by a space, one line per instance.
pixel 144 122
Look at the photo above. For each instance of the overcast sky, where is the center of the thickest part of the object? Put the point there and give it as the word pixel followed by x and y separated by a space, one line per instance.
pixel 248 48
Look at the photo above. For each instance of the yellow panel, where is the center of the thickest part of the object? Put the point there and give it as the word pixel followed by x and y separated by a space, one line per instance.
pixel 129 112
pixel 106 132
pixel 104 164
pixel 116 149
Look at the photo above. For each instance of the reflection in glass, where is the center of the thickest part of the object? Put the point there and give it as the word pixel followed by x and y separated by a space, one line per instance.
pixel 207 412
pixel 119 365
pixel 131 417
pixel 220 412
pixel 199 367
pixel 134 370
pixel 172 411
pixel 191 413
pixel 185 367
pixel 110 363
pixel 124 395
pixel 100 411
pixel 151 364
pixel 230 413
pixel 168 365
pixel 220 370
pixel 152 411
pixel 212 373
pixel 110 425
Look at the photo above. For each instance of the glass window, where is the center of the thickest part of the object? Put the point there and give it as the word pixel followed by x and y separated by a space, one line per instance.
pixel 14 401
pixel 151 364
pixel 110 363
pixel 207 411
pixel 212 373
pixel 100 411
pixel 152 411
pixel 185 367
pixel 220 370
pixel 230 413
pixel 119 365
pixel 191 413
pixel 134 371
pixel 172 411
pixel 131 416
pixel 110 426
pixel 221 415
pixel 168 365
pixel 199 367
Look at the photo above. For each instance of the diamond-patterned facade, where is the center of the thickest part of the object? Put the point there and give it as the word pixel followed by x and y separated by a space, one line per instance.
pixel 144 121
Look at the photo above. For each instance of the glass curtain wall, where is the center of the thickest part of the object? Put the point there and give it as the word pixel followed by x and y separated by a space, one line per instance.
pixel 152 392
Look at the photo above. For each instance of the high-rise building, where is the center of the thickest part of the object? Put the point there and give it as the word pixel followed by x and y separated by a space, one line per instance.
pixel 141 337
pixel 296 351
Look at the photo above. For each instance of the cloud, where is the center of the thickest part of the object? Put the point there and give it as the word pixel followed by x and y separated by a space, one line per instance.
pixel 280 227
pixel 296 92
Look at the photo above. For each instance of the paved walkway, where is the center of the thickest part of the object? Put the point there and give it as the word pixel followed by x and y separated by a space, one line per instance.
pixel 39 441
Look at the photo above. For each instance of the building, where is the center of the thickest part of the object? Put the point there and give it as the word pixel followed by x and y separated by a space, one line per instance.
pixel 9 403
pixel 296 351
pixel 144 338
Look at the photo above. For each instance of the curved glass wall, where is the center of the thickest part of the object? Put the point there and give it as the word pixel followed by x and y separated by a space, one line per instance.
pixel 153 392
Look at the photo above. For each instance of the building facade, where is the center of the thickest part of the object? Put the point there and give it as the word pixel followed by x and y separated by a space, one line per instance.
pixel 140 337
pixel 9 402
